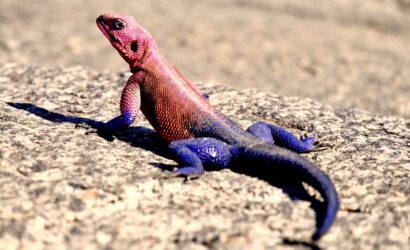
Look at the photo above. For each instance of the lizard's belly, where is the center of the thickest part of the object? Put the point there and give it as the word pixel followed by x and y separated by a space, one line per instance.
pixel 173 132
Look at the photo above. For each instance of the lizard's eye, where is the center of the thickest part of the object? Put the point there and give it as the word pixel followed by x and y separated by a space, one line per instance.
pixel 119 25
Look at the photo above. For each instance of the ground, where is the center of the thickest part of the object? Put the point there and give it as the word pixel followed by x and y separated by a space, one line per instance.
pixel 64 187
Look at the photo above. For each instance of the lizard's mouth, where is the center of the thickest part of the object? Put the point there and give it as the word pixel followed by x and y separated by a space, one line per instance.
pixel 105 29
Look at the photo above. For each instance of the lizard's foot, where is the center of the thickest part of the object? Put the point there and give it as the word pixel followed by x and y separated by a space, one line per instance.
pixel 117 124
pixel 188 172
pixel 317 145
pixel 87 127
pixel 309 141
pixel 322 145
pixel 98 129
pixel 104 128
pixel 83 125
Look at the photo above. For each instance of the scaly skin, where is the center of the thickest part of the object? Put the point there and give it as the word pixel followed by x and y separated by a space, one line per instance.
pixel 198 135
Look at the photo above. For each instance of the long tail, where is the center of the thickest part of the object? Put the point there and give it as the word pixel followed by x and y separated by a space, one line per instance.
pixel 284 160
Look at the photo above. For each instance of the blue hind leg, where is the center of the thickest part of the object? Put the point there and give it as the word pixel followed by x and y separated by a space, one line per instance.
pixel 194 154
pixel 277 135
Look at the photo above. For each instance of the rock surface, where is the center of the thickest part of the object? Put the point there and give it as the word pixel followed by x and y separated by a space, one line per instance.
pixel 346 53
pixel 65 187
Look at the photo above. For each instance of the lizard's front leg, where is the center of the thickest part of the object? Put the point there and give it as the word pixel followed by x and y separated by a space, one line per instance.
pixel 277 135
pixel 129 106
pixel 193 154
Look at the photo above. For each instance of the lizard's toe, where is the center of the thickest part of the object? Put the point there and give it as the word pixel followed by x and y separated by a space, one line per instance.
pixel 322 144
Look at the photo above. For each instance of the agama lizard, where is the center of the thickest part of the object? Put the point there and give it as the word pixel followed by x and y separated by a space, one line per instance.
pixel 198 135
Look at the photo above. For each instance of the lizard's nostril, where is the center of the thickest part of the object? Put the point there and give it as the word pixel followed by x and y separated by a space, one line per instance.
pixel 100 19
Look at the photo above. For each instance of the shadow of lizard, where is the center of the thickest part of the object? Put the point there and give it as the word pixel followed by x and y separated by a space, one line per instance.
pixel 148 139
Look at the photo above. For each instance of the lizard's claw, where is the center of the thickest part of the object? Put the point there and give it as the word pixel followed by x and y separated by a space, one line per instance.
pixel 317 145
pixel 308 135
pixel 98 129
pixel 89 129
pixel 169 174
pixel 322 144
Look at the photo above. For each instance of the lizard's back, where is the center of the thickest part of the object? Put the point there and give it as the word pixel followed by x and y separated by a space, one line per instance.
pixel 177 111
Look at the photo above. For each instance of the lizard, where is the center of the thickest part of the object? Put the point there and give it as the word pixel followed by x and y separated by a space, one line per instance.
pixel 199 136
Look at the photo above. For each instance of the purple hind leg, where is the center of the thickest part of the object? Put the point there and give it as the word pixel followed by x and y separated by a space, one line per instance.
pixel 277 135
pixel 193 154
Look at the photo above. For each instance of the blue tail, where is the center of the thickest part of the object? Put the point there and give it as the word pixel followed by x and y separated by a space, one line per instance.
pixel 283 160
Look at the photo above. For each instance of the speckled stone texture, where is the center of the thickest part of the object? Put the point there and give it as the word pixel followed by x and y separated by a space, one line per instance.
pixel 66 187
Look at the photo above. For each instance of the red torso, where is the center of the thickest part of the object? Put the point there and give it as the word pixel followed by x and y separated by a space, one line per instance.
pixel 171 105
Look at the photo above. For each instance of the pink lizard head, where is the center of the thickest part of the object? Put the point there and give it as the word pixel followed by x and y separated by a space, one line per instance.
pixel 124 33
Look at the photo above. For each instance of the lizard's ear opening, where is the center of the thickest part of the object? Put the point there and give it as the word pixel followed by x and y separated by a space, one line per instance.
pixel 134 46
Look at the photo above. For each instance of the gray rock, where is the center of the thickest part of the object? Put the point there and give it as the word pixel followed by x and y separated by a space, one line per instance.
pixel 65 187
